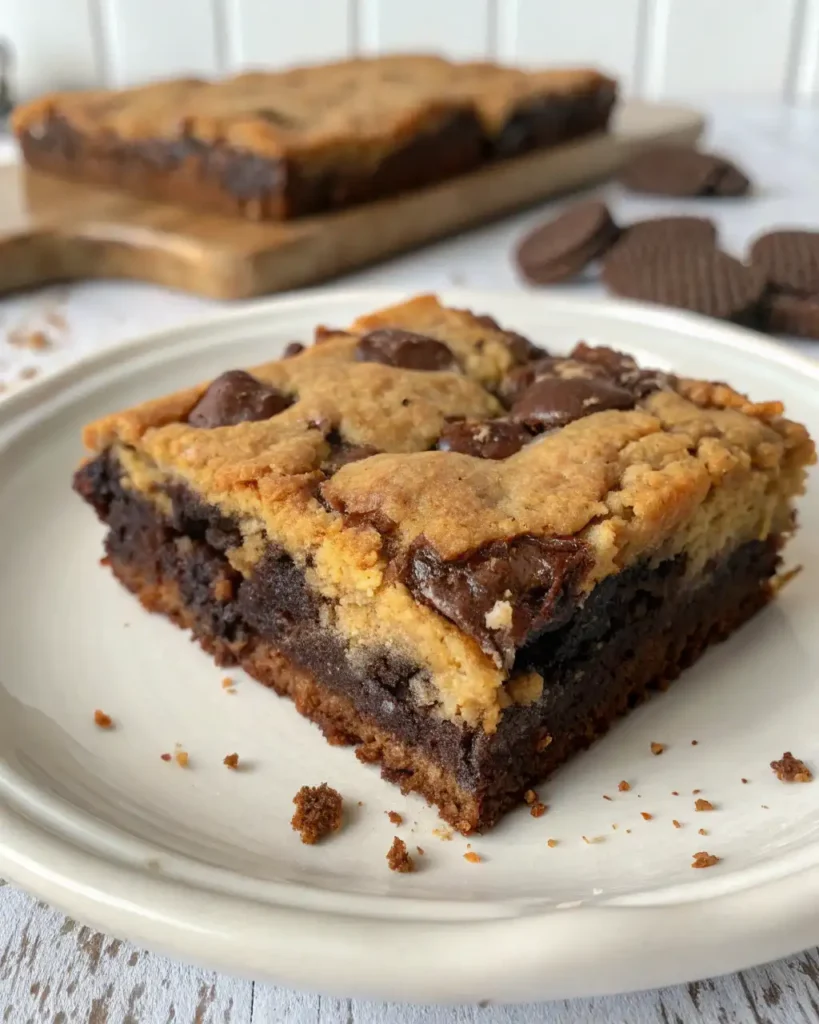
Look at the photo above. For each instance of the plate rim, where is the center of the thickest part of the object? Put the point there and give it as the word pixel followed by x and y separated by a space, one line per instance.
pixel 440 960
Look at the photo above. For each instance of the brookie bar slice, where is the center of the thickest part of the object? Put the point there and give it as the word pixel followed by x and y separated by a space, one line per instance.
pixel 278 145
pixel 456 551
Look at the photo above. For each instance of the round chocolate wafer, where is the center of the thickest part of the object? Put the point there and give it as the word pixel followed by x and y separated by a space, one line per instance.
pixel 563 247
pixel 794 315
pixel 789 259
pixel 732 182
pixel 696 277
pixel 670 231
pixel 681 171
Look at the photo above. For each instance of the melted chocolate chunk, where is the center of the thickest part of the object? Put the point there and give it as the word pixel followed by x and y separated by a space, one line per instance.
pixel 395 347
pixel 555 401
pixel 623 369
pixel 295 348
pixel 236 397
pixel 522 377
pixel 505 594
pixel 342 454
pixel 521 348
pixel 489 439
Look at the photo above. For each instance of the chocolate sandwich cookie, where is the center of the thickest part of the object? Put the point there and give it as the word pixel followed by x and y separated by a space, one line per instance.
pixel 794 315
pixel 682 171
pixel 563 247
pixel 698 278
pixel 789 259
pixel 670 231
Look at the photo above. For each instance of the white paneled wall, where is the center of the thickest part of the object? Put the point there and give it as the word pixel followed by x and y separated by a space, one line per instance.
pixel 658 48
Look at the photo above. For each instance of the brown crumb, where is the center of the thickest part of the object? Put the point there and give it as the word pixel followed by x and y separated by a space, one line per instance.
pixel 674 792
pixel 594 839
pixel 646 815
pixel 37 341
pixel 443 833
pixel 472 857
pixel 657 748
pixel 703 805
pixel 628 831
pixel 551 843
pixel 232 761
pixel 764 807
pixel 695 791
pixel 744 782
pixel 614 825
pixel 394 817
pixel 318 812
pixel 704 860
pixel 227 682
pixel 538 809
pixel 398 858
pixel 530 796
pixel 223 589
pixel 102 720
pixel 165 757
pixel 694 743
pixel 182 758
pixel 624 786
pixel 28 372
pixel 702 831
pixel 420 850
pixel 782 579
pixel 607 797
pixel 675 823
pixel 360 803
pixel 791 769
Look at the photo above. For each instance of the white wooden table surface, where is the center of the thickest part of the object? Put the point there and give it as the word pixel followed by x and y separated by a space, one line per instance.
pixel 56 970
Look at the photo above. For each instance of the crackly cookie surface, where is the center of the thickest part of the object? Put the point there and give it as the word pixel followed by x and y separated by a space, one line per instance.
pixel 451 489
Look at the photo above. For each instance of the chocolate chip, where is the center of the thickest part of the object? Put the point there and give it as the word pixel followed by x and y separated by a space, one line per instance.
pixel 342 454
pixel 521 348
pixel 554 401
pixel 293 349
pixel 623 369
pixel 395 347
pixel 490 439
pixel 789 260
pixel 504 594
pixel 236 397
pixel 522 377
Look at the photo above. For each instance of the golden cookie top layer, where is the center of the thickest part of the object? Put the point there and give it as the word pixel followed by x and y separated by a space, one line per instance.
pixel 448 486
pixel 353 104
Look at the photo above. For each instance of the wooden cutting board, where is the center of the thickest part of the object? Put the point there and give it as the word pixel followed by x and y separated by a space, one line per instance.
pixel 55 230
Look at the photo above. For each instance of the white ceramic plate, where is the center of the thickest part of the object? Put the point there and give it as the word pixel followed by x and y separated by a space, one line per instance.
pixel 202 863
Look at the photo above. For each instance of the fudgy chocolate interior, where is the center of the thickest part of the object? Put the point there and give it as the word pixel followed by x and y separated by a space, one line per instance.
pixel 637 629
pixel 190 170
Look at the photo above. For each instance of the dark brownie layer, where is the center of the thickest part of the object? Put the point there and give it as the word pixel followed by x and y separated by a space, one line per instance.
pixel 637 630
pixel 239 181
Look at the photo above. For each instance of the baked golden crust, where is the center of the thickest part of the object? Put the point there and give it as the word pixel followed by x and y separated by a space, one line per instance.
pixel 359 108
pixel 694 468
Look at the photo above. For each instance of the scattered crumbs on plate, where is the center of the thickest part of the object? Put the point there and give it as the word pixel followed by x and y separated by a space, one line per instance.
pixel 551 843
pixel 646 816
pixel 791 769
pixel 394 817
pixel 676 823
pixel 443 833
pixel 182 758
pixel 472 857
pixel 764 807
pixel 695 791
pixel 360 803
pixel 231 761
pixel 398 858
pixel 103 721
pixel 744 782
pixel 530 796
pixel 694 743
pixel 614 825
pixel 704 860
pixel 227 682
pixel 166 757
pixel 605 797
pixel 420 850
pixel 588 840
pixel 624 786
pixel 702 831
pixel 703 805
pixel 319 812
pixel 36 341
pixel 537 810
pixel 628 831
pixel 674 792
pixel 657 748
